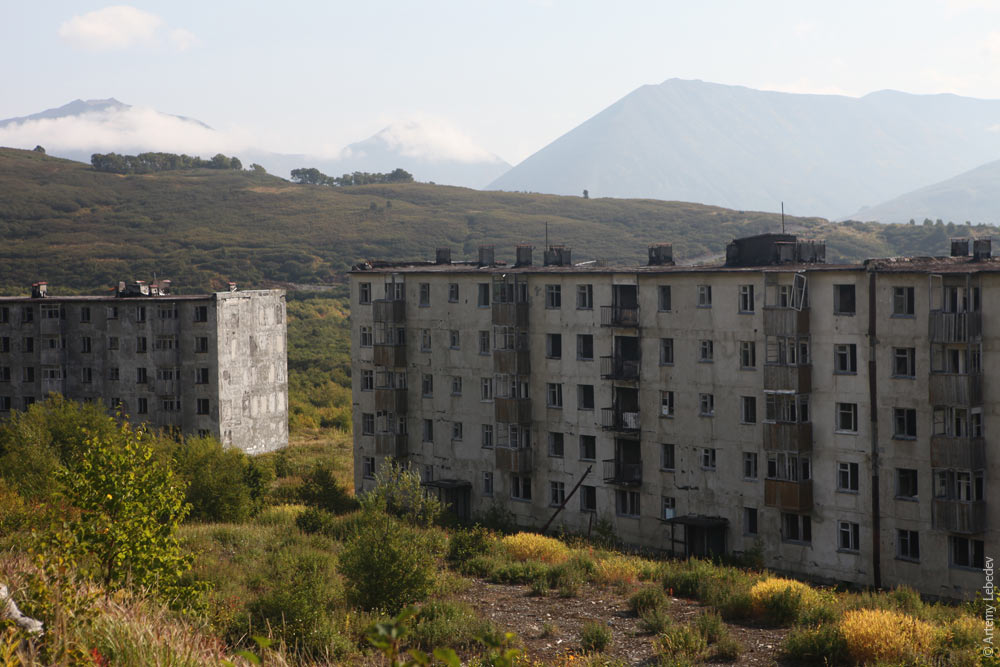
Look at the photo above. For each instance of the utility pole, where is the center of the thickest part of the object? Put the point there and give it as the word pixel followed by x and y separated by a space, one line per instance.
pixel 566 499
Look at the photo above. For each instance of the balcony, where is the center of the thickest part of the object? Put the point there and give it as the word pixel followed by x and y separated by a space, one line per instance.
pixel 955 388
pixel 789 496
pixel 785 321
pixel 959 516
pixel 616 367
pixel 788 437
pixel 390 400
pixel 620 473
pixel 614 419
pixel 620 316
pixel 512 362
pixel 510 314
pixel 517 461
pixel 389 355
pixel 390 312
pixel 958 453
pixel 512 410
pixel 50 356
pixel 166 387
pixel 954 327
pixel 50 326
pixel 788 378
pixel 391 444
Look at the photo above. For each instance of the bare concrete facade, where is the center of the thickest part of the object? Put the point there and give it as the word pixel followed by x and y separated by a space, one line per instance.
pixel 837 415
pixel 207 364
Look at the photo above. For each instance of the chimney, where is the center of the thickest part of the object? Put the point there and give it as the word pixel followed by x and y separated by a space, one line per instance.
pixel 661 254
pixel 232 287
pixel 523 255
pixel 557 255
pixel 485 255
pixel 165 287
pixel 39 290
pixel 960 247
pixel 981 249
pixel 443 256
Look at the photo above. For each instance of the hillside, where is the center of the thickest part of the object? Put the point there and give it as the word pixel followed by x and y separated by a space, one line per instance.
pixel 81 229
pixel 750 149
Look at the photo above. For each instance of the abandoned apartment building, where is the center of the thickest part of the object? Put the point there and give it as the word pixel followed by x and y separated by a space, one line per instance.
pixel 835 415
pixel 202 364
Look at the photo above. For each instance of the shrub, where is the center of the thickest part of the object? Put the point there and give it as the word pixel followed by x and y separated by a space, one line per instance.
pixel 780 600
pixel 906 600
pixel 680 642
pixel 733 602
pixel 398 492
pixel 386 564
pixel 727 649
pixel 531 546
pixel 464 545
pixel 616 569
pixel 594 637
pixel 223 485
pixel 822 645
pixel 449 624
pixel 647 599
pixel 711 627
pixel 314 520
pixel 881 635
pixel 567 578
pixel 655 621
pixel 321 489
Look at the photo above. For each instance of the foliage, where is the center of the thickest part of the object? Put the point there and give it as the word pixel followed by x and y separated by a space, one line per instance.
pixel 881 635
pixel 398 491
pixel 313 176
pixel 647 599
pixel 532 546
pixel 616 569
pixel 681 644
pixel 322 490
pixel 818 645
pixel 465 544
pixel 148 163
pixel 779 600
pixel 222 484
pixel 440 623
pixel 594 637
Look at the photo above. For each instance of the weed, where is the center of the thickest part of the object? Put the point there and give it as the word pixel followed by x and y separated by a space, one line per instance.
pixel 655 621
pixel 779 601
pixel 821 645
pixel 647 599
pixel 711 627
pixel 880 635
pixel 594 637
pixel 447 624
pixel 682 644
pixel 464 545
pixel 534 547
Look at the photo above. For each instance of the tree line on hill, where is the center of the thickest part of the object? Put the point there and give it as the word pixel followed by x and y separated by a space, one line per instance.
pixel 148 163
pixel 313 176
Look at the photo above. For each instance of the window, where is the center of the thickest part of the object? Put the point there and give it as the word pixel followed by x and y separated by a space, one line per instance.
pixel 487 436
pixel 906 483
pixel 85 313
pixel 667 454
pixel 664 301
pixel 483 300
pixel 4 373
pixel 904 422
pixel 27 314
pixel 488 483
pixel 706 405
pixel 202 406
pixel 847 477
pixel 425 295
pixel 520 487
pixel 367 380
pixel 140 313
pixel 958 485
pixel 201 375
pixel 843 300
pixel 557 493
pixel 28 401
pixel 585 397
pixel 746 299
pixel 706 350
pixel 85 345
pixel 484 342
pixel 848 536
pixel 28 345
pixel 904 362
pixel 167 374
pixel 113 342
pixel 588 448
pixel 4 315
pixel 796 528
pixel 428 431
pixel 666 351
pixel 666 404
pixel 364 293
pixel 553 296
pixel 201 313
pixel 668 507
pixel 627 503
pixel 53 373
pixel 708 458
pixel 366 337
pixel 201 343
pixel 486 389
pixel 425 340
pixel 553 346
pixel 454 339
pixel 588 498
pixel 452 292
pixel 585 297
pixel 367 423
pixel 112 312
pixel 748 409
pixel 456 385
pixel 556 448
pixel 114 373
pixel 427 385
pixel 142 405
pixel 140 344
pixel 457 431
pixel 845 358
pixel 749 465
pixel 368 467
pixel 166 312
pixel 748 354
pixel 902 302
pixel 908 545
pixel 704 296
pixel 553 395
pixel 141 376
pixel 428 475
pixel 585 347
pixel 966 552
pixel 847 417
pixel 788 467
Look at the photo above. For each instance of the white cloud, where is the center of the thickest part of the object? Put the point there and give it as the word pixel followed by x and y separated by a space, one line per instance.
pixel 433 139
pixel 119 27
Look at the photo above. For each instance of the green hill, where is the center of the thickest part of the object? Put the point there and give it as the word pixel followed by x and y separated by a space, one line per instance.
pixel 82 229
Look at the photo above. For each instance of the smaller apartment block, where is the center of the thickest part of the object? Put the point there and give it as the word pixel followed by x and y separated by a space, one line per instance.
pixel 837 415
pixel 204 364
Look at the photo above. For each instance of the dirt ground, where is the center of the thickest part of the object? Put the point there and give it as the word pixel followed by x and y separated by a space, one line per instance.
pixel 549 626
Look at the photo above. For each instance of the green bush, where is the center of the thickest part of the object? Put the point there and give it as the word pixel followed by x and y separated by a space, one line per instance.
pixel 314 520
pixel 822 645
pixel 655 621
pixel 647 599
pixel 681 644
pixel 711 627
pixel 727 649
pixel 450 624
pixel 594 637
pixel 782 607
pixel 224 485
pixel 464 545
pixel 398 491
pixel 321 489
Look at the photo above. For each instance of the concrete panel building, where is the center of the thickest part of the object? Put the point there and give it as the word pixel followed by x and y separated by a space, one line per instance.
pixel 836 415
pixel 204 364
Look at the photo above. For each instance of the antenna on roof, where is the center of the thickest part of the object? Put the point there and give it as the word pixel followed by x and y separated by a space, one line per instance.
pixel 546 234
pixel 782 217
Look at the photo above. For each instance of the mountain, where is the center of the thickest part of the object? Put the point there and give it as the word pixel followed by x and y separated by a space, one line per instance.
pixel 749 149
pixel 971 196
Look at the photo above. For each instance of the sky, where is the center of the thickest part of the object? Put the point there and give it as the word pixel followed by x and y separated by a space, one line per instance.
pixel 508 77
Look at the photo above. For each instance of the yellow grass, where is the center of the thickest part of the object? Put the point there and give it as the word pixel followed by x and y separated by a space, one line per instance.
pixel 617 570
pixel 530 546
pixel 885 636
pixel 763 591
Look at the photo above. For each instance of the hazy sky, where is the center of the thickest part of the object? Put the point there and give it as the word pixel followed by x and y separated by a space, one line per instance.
pixel 314 76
